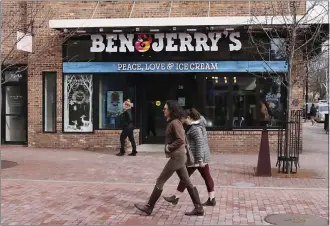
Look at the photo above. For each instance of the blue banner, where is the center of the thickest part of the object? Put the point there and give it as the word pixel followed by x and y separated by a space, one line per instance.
pixel 175 67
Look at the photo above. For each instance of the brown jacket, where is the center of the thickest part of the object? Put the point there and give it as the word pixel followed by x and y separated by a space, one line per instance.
pixel 175 136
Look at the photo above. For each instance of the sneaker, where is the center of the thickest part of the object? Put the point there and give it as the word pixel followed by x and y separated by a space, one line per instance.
pixel 209 202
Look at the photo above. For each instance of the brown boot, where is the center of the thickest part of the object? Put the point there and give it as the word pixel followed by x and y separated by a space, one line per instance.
pixel 147 208
pixel 198 210
pixel 172 199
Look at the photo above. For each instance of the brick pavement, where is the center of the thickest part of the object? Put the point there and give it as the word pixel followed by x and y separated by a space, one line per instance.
pixel 79 187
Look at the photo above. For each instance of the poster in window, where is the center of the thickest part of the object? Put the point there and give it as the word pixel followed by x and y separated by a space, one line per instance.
pixel 78 94
pixel 278 48
pixel 114 103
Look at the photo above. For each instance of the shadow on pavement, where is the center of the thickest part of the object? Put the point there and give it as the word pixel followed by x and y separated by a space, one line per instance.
pixel 7 164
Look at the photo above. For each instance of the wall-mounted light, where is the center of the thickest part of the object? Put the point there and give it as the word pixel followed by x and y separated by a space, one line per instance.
pixel 137 29
pixel 225 79
pixel 65 30
pixel 234 79
pixel 174 29
pixel 101 29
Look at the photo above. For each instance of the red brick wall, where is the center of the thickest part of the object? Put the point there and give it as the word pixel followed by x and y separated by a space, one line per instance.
pixel 240 141
pixel 47 56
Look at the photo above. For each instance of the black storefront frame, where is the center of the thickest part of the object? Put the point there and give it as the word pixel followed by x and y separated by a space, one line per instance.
pixel 23 84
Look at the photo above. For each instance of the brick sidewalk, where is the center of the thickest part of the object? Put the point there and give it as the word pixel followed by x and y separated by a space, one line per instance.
pixel 79 187
pixel 33 203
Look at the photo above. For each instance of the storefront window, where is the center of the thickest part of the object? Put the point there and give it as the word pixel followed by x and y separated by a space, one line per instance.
pixel 273 95
pixel 112 91
pixel 78 99
pixel 49 102
pixel 216 107
pixel 235 101
pixel 244 101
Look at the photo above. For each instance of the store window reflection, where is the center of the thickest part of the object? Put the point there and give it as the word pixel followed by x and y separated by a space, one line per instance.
pixel 244 101
pixel 273 96
pixel 216 109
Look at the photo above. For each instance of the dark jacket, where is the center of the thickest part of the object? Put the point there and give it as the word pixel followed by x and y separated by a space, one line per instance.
pixel 175 136
pixel 126 119
pixel 198 141
pixel 312 111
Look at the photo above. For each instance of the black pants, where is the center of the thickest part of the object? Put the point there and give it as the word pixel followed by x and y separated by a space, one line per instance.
pixel 127 132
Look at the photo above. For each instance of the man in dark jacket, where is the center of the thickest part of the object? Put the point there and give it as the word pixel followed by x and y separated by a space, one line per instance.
pixel 312 114
pixel 128 128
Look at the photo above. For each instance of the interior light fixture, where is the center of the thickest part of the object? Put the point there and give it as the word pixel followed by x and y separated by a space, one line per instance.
pixel 229 29
pixel 154 30
pixel 118 31
pixel 81 31
pixel 101 29
pixel 191 29
pixel 137 29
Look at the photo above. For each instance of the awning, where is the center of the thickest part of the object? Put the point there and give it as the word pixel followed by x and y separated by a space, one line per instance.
pixel 182 21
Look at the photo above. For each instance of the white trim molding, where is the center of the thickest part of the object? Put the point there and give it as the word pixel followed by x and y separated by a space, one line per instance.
pixel 186 21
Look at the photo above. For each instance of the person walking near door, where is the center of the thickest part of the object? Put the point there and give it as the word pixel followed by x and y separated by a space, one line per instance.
pixel 198 143
pixel 312 114
pixel 128 128
pixel 176 152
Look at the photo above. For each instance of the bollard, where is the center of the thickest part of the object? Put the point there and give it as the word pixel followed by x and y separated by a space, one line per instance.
pixel 264 167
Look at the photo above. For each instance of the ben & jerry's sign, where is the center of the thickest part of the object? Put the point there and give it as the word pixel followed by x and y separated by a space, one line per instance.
pixel 170 42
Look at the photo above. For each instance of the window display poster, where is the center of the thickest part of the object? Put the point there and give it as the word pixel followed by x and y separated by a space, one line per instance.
pixel 114 103
pixel 78 96
pixel 182 101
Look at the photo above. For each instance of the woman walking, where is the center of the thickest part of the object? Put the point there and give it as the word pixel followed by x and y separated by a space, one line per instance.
pixel 198 142
pixel 128 128
pixel 176 152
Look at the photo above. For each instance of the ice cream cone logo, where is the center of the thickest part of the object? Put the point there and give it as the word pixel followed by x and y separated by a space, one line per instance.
pixel 143 43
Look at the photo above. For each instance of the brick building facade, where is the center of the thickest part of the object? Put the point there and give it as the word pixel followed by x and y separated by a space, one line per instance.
pixel 48 56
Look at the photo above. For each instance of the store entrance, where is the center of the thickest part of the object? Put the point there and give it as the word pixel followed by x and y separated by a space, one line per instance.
pixel 155 89
pixel 14 105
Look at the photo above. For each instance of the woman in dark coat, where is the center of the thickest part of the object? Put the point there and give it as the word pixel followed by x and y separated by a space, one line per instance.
pixel 128 128
pixel 176 152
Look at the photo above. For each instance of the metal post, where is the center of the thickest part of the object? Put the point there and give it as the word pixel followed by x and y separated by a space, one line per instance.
pixel 0 77
pixel 327 84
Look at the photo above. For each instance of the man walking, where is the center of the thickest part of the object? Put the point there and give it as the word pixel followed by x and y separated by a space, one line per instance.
pixel 312 114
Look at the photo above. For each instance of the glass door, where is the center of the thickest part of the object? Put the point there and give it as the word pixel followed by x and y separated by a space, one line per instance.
pixel 15 114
